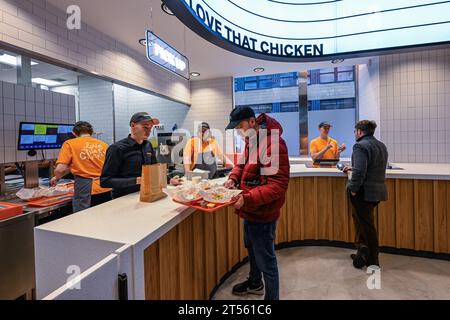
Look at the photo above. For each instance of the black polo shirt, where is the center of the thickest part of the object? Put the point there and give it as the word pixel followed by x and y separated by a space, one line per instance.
pixel 123 164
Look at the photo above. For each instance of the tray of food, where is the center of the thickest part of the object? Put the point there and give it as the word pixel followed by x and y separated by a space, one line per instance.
pixel 203 196
pixel 51 201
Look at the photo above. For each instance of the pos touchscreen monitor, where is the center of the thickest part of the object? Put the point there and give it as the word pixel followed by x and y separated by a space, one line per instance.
pixel 37 136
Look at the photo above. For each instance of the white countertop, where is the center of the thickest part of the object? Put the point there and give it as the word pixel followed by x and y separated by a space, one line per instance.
pixel 126 220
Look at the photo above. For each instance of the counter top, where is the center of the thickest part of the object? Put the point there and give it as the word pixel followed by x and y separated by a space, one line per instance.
pixel 420 171
pixel 126 220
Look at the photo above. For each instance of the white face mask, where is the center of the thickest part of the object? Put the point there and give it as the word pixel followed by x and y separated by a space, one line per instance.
pixel 206 135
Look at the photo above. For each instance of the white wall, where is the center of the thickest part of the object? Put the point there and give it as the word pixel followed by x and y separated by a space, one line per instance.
pixel 129 101
pixel 19 104
pixel 212 101
pixel 96 106
pixel 369 93
pixel 415 106
pixel 38 26
pixel 343 121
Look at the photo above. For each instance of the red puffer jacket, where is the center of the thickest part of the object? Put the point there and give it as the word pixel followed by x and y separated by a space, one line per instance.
pixel 264 192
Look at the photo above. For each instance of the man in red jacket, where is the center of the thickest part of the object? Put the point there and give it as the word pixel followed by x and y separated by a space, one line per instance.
pixel 263 177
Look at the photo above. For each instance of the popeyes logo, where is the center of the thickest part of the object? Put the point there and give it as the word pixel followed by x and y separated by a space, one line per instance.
pixel 92 151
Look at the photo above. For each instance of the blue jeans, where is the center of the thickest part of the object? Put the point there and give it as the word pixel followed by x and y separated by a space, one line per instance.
pixel 259 240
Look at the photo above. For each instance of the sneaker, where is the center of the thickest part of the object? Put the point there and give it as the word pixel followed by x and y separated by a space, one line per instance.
pixel 247 288
pixel 360 259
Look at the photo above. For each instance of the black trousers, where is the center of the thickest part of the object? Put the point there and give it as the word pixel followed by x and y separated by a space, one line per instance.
pixel 364 220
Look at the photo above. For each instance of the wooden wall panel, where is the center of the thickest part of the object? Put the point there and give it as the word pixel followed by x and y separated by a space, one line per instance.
pixel 324 202
pixel 186 263
pixel 210 252
pixel 233 237
pixel 152 275
pixel 310 207
pixel 294 209
pixel 441 208
pixel 404 212
pixel 169 285
pixel 199 256
pixel 423 215
pixel 386 217
pixel 340 204
pixel 221 251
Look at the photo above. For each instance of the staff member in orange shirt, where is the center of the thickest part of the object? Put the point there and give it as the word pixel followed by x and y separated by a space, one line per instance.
pixel 325 147
pixel 202 151
pixel 84 157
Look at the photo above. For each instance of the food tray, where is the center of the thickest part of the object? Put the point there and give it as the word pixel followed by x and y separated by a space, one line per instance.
pixel 196 205
pixel 47 202
pixel 9 210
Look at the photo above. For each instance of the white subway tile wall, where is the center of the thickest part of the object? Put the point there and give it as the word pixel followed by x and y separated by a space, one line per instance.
pixel 212 101
pixel 40 27
pixel 129 101
pixel 415 106
pixel 20 104
pixel 96 106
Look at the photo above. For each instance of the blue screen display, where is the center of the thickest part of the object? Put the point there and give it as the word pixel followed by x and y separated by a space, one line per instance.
pixel 34 136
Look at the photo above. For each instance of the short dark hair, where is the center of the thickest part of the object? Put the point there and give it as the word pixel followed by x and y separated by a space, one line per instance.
pixel 83 127
pixel 366 126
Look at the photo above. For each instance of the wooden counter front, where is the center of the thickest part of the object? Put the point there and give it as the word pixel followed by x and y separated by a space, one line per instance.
pixel 191 259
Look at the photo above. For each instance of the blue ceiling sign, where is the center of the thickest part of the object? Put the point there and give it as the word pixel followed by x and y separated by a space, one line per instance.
pixel 314 30
pixel 161 53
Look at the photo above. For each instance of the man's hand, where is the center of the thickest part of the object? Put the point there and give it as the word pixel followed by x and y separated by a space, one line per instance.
pixel 347 169
pixel 353 194
pixel 240 202
pixel 342 148
pixel 138 180
pixel 176 181
pixel 54 181
pixel 229 184
pixel 328 147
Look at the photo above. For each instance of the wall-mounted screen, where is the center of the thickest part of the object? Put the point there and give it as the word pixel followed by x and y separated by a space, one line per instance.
pixel 34 136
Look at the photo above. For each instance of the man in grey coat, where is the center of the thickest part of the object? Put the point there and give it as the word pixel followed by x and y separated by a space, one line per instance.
pixel 366 188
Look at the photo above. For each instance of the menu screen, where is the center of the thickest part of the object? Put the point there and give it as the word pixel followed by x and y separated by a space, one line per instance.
pixel 43 135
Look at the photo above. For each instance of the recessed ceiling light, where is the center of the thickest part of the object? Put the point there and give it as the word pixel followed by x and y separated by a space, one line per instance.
pixel 46 82
pixel 11 60
pixel 259 70
pixel 195 74
pixel 143 42
pixel 166 9
pixel 336 61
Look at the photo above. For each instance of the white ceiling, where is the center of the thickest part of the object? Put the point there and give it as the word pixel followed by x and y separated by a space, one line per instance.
pixel 127 21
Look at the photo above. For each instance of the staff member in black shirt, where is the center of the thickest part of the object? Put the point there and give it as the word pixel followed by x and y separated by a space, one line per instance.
pixel 124 159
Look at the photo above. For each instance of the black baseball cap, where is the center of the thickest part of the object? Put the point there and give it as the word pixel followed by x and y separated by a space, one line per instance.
pixel 325 124
pixel 239 114
pixel 143 116
pixel 204 125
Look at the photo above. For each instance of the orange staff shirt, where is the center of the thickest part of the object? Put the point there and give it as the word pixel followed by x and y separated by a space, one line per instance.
pixel 319 144
pixel 85 157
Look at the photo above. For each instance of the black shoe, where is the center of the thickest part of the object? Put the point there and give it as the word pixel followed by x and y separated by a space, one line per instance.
pixel 360 259
pixel 353 256
pixel 247 288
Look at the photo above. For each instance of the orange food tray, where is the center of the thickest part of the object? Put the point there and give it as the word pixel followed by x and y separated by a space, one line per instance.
pixel 10 210
pixel 51 201
pixel 196 205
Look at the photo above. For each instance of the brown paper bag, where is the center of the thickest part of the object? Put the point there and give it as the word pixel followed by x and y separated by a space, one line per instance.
pixel 153 181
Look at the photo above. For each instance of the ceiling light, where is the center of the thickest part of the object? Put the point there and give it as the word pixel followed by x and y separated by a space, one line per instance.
pixel 45 82
pixel 259 70
pixel 336 61
pixel 12 60
pixel 143 42
pixel 166 9
pixel 195 74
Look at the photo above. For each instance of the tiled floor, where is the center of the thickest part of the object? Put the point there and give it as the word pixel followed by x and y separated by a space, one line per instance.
pixel 327 273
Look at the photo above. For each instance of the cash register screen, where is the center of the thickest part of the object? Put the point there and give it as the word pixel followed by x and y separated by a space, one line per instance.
pixel 34 136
